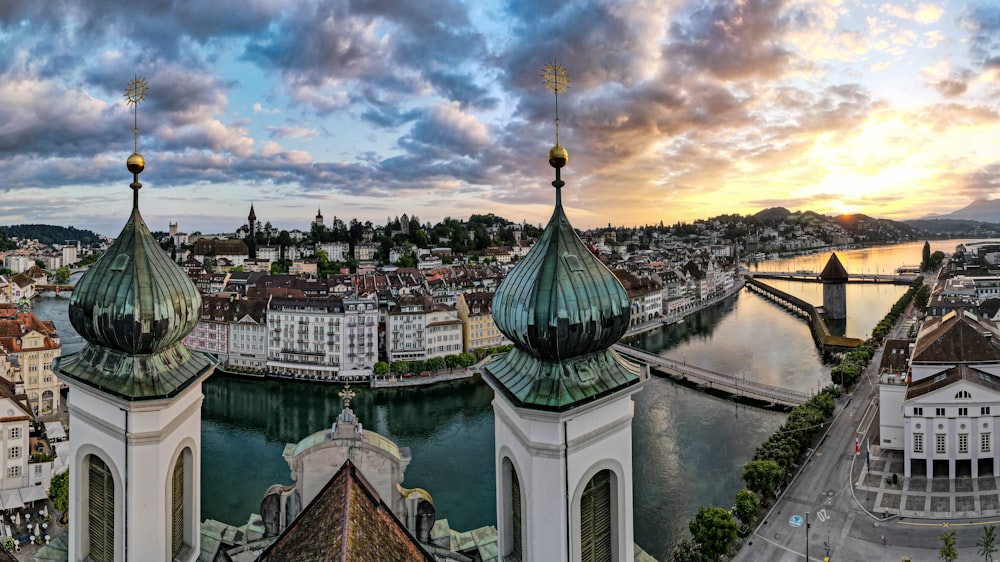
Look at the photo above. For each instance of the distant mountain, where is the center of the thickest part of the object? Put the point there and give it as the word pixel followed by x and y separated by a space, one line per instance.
pixel 50 234
pixel 871 229
pixel 982 210
pixel 947 227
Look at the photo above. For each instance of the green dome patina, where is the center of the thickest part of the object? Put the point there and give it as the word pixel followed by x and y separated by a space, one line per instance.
pixel 134 306
pixel 563 310
pixel 135 299
pixel 560 301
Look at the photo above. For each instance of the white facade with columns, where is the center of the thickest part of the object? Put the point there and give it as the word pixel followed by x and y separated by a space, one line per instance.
pixel 140 442
pixel 555 454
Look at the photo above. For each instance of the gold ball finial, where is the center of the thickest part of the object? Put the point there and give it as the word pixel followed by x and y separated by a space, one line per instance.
pixel 136 163
pixel 558 157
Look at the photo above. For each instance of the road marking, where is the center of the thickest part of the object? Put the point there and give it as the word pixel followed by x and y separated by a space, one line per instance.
pixel 822 515
pixel 948 524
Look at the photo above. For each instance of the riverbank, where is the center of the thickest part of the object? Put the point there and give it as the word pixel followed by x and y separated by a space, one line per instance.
pixel 679 317
pixel 376 381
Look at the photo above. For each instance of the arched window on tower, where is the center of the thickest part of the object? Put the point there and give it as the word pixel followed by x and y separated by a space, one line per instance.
pixel 596 541
pixel 513 513
pixel 101 511
pixel 177 508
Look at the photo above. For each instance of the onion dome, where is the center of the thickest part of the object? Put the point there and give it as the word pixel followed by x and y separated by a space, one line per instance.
pixel 561 301
pixel 134 306
pixel 135 299
pixel 563 310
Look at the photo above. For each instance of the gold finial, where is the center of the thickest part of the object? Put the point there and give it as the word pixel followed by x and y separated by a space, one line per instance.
pixel 347 395
pixel 135 93
pixel 556 81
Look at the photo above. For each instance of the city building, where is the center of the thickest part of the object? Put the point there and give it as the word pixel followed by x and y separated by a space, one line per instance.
pixel 479 331
pixel 34 345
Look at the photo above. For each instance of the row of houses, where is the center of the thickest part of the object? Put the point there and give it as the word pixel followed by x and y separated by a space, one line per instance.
pixel 21 285
pixel 341 326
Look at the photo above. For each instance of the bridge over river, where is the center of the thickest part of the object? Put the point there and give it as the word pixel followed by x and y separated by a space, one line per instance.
pixel 812 277
pixel 736 387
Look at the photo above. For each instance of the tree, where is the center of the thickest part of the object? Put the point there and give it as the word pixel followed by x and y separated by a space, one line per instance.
pixel 62 275
pixel 763 477
pixel 948 552
pixel 436 364
pixel 59 491
pixel 466 359
pixel 746 506
pixel 687 551
pixel 381 368
pixel 925 262
pixel 714 529
pixel 985 544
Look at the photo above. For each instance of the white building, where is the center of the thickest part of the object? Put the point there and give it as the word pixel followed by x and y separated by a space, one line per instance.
pixel 332 337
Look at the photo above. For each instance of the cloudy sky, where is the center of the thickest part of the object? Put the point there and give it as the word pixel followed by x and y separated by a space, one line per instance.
pixel 368 109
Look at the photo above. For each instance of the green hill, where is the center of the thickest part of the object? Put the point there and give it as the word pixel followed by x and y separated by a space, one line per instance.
pixel 50 234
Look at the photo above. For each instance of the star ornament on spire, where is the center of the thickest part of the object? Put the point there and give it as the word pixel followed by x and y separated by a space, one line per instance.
pixel 555 77
pixel 136 90
pixel 556 81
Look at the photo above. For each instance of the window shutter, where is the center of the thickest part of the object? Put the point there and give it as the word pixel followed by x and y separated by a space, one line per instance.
pixel 177 526
pixel 515 509
pixel 102 512
pixel 595 519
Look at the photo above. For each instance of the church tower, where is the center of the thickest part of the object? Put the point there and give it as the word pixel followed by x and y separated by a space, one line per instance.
pixel 563 407
pixel 135 400
pixel 252 236
pixel 319 218
pixel 834 278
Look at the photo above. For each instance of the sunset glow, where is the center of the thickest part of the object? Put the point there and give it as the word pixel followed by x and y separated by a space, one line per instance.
pixel 677 110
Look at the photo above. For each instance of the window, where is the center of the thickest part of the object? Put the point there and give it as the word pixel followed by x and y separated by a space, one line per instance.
pixel 984 411
pixel 963 411
pixel 15 433
pixel 14 472
pixel 595 519
pixel 918 411
pixel 984 442
pixel 938 411
pixel 15 452
pixel 939 443
pixel 101 511
pixel 515 512
pixel 177 520
pixel 962 394
pixel 963 442
pixel 38 469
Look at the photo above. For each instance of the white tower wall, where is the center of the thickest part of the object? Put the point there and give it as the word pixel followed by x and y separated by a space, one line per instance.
pixel 158 433
pixel 555 456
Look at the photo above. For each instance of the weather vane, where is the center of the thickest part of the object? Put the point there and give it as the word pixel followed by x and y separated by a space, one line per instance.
pixel 346 395
pixel 135 92
pixel 555 81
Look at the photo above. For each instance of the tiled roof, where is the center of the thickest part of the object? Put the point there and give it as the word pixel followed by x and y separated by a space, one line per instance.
pixel 957 337
pixel 834 270
pixel 951 376
pixel 346 522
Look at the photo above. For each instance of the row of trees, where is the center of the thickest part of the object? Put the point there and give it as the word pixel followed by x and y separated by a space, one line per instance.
pixel 714 529
pixel 464 360
pixel 949 552
pixel 853 364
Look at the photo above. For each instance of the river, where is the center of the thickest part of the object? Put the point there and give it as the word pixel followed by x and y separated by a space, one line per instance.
pixel 688 447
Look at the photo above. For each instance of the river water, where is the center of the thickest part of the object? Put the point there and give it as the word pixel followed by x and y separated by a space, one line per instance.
pixel 688 447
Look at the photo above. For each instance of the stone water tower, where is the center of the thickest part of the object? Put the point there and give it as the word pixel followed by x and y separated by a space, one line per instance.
pixel 834 278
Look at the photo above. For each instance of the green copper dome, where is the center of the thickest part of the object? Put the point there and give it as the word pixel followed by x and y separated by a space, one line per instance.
pixel 134 306
pixel 560 301
pixel 563 309
pixel 135 299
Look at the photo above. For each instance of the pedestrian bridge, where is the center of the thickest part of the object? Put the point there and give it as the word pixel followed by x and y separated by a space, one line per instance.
pixel 728 384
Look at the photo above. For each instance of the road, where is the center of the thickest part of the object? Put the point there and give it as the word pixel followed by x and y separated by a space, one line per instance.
pixel 824 490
